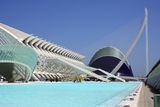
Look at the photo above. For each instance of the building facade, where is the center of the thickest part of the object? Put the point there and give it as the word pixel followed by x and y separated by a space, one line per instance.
pixel 25 57
pixel 153 79
pixel 41 55
pixel 107 58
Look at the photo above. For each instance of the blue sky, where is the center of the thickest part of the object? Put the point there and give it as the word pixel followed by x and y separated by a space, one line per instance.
pixel 84 26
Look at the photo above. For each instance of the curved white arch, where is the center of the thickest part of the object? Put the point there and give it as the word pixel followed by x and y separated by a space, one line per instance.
pixel 29 39
pixel 55 50
pixel 41 44
pixel 30 42
pixel 54 47
pixel 33 41
pixel 62 52
pixel 26 38
pixel 68 53
pixel 49 46
pixel 65 54
pixel 133 45
pixel 38 43
pixel 45 46
pixel 60 49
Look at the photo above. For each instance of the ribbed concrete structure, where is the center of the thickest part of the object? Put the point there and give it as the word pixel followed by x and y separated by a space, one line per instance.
pixel 46 67
pixel 53 62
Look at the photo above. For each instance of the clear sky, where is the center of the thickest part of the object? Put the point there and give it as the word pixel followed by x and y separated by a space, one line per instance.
pixel 84 26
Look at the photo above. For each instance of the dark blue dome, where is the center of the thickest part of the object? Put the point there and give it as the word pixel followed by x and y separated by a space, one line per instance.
pixel 107 58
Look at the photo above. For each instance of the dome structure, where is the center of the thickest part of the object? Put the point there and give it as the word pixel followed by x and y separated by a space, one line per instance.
pixel 107 59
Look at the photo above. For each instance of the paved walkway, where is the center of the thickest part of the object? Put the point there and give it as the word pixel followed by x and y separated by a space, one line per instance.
pixel 146 97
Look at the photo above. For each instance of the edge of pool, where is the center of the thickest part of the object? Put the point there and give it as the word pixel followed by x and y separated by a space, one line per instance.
pixel 133 98
pixel 129 100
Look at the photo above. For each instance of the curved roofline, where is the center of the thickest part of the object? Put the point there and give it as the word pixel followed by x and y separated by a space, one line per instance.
pixel 11 29
pixel 108 55
pixel 110 47
pixel 21 36
pixel 154 67
pixel 10 33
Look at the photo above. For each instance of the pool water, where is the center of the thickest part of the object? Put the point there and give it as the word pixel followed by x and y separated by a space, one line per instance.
pixel 64 94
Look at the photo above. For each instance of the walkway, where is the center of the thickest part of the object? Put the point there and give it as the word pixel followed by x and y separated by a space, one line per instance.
pixel 146 97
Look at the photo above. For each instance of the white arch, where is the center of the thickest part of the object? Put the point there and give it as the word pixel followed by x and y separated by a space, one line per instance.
pixel 38 43
pixel 49 46
pixel 66 53
pixel 38 46
pixel 59 51
pixel 25 40
pixel 33 41
pixel 132 46
pixel 57 48
pixel 42 44
pixel 54 47
pixel 62 52
pixel 70 55
pixel 30 42
pixel 29 39
pixel 51 49
pixel 45 46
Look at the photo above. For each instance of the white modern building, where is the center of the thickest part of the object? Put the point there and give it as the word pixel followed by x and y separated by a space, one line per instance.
pixel 52 61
